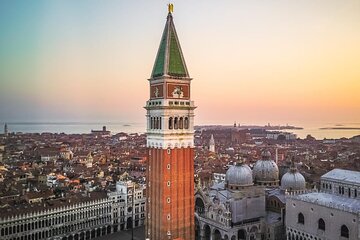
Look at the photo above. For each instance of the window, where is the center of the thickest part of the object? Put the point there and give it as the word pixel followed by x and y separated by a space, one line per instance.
pixel 186 123
pixel 321 224
pixel 176 123
pixel 170 123
pixel 168 166
pixel 151 123
pixel 168 183
pixel 181 123
pixel 301 218
pixel 344 231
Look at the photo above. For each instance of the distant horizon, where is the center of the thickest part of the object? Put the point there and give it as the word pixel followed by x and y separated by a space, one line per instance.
pixel 319 131
pixel 264 123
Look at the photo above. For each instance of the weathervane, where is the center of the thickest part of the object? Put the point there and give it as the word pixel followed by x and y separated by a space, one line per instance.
pixel 171 7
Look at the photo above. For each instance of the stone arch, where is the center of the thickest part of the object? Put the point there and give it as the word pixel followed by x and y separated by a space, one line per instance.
pixel 216 234
pixel 199 206
pixel 226 237
pixel 207 231
pixel 242 234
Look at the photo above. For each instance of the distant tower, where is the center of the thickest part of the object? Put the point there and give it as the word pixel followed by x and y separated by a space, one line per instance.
pixel 170 142
pixel 235 124
pixel 89 160
pixel 6 130
pixel 212 144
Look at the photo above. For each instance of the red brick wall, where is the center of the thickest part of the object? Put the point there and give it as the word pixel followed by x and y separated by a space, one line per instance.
pixel 180 192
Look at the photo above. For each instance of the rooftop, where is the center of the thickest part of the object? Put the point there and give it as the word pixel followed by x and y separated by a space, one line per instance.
pixel 343 176
pixel 332 201
pixel 169 59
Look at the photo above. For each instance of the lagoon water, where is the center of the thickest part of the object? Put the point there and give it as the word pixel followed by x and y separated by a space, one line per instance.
pixel 139 127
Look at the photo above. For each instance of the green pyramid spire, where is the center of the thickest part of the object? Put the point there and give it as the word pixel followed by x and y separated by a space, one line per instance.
pixel 169 59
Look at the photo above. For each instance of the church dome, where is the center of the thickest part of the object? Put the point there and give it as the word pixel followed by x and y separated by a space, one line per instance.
pixel 265 171
pixel 239 175
pixel 293 180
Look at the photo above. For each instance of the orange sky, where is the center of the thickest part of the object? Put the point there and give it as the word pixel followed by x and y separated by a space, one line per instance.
pixel 252 61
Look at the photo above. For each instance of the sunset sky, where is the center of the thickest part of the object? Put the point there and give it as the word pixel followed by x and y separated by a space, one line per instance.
pixel 277 61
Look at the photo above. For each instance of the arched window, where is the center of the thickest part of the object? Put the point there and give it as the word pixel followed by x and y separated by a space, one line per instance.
pixel 344 231
pixel 186 123
pixel 170 123
pixel 181 123
pixel 321 224
pixel 176 123
pixel 301 218
pixel 355 192
pixel 151 123
pixel 159 122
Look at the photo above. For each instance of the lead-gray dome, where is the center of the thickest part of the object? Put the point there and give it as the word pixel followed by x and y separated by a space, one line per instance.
pixel 239 175
pixel 265 170
pixel 293 180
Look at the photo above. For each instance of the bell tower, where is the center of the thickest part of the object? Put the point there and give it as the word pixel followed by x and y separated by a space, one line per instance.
pixel 170 143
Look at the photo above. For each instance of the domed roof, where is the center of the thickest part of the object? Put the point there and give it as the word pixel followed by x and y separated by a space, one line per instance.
pixel 293 180
pixel 266 170
pixel 239 175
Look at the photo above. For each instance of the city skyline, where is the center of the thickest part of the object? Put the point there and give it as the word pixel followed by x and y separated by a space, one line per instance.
pixel 278 62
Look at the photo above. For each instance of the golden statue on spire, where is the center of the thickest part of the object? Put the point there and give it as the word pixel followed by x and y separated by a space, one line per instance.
pixel 171 7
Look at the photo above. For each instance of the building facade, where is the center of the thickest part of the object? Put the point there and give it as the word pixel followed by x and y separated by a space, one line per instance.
pixel 77 218
pixel 331 213
pixel 238 207
pixel 170 142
